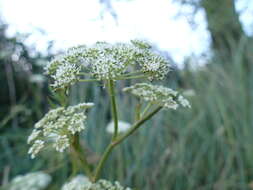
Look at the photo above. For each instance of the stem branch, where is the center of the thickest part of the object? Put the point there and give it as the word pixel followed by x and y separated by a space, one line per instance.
pixel 136 126
pixel 114 108
pixel 120 139
pixel 76 147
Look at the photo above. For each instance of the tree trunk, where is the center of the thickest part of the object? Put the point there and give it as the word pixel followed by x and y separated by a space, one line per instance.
pixel 224 25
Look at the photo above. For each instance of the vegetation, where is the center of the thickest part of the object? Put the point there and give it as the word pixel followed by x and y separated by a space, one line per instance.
pixel 207 147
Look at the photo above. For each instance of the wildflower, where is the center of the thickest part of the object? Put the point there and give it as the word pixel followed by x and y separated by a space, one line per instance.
pixel 57 127
pixel 122 127
pixel 105 61
pixel 107 185
pixel 64 69
pixel 37 78
pixel 80 182
pixel 183 101
pixel 189 93
pixel 152 64
pixel 110 61
pixel 30 181
pixel 156 94
pixel 36 147
pixel 61 143
pixel 35 133
pixel 63 72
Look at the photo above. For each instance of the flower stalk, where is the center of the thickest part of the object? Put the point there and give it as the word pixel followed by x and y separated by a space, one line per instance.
pixel 120 139
pixel 102 62
pixel 77 150
pixel 113 107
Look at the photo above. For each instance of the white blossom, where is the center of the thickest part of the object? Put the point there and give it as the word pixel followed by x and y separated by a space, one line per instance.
pixel 189 93
pixel 61 143
pixel 105 61
pixel 30 181
pixel 36 147
pixel 65 75
pixel 156 94
pixel 64 69
pixel 81 182
pixel 184 102
pixel 107 185
pixel 37 78
pixel 35 133
pixel 57 127
pixel 122 127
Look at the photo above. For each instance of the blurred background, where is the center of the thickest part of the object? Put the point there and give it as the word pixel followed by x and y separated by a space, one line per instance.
pixel 210 46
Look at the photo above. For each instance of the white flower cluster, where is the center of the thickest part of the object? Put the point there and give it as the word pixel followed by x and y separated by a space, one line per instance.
pixel 189 93
pixel 56 128
pixel 64 69
pixel 156 66
pixel 30 181
pixel 107 185
pixel 107 61
pixel 156 94
pixel 81 182
pixel 122 127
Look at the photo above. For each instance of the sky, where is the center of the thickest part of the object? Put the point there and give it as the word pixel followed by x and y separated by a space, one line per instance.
pixel 76 22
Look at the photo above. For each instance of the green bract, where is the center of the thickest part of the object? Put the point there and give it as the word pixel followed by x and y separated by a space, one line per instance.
pixel 104 61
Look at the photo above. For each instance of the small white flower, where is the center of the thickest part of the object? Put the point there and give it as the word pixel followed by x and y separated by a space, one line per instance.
pixel 189 93
pixel 35 148
pixel 122 127
pixel 156 94
pixel 64 69
pixel 106 61
pixel 57 127
pixel 80 182
pixel 107 185
pixel 184 102
pixel 65 75
pixel 76 123
pixel 61 143
pixel 35 133
pixel 37 78
pixel 30 181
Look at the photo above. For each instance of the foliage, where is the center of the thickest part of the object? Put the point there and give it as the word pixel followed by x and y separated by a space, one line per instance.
pixel 205 148
pixel 60 128
pixel 208 147
pixel 22 99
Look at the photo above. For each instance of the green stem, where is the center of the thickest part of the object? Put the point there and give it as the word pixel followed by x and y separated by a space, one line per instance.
pixel 146 109
pixel 84 74
pixel 114 108
pixel 77 150
pixel 137 111
pixel 105 155
pixel 132 73
pixel 132 77
pixel 120 139
pixel 119 78
pixel 136 126
pixel 88 80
